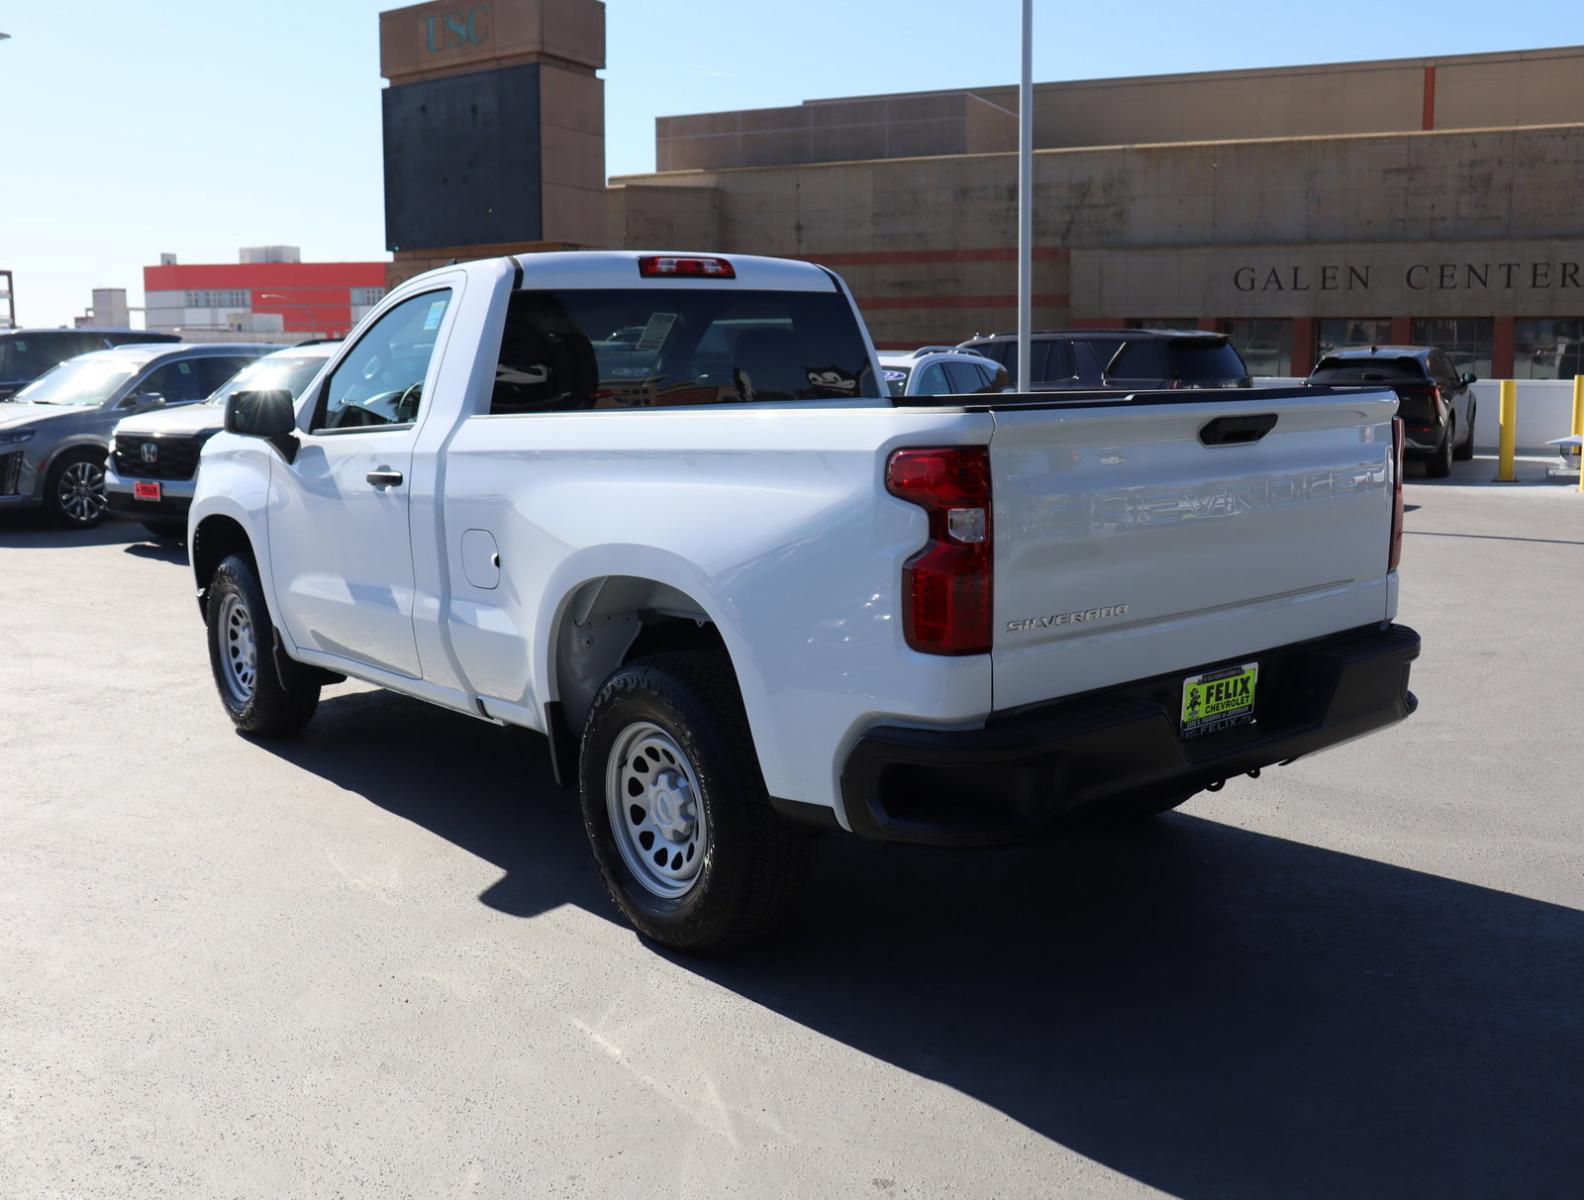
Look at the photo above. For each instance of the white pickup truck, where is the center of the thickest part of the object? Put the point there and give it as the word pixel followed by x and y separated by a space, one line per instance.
pixel 661 509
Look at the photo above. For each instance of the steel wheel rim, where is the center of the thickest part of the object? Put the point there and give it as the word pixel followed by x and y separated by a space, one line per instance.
pixel 655 810
pixel 81 492
pixel 238 649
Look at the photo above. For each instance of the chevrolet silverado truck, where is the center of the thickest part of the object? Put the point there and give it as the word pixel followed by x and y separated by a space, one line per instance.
pixel 661 509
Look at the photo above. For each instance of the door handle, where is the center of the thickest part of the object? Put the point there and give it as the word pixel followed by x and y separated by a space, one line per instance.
pixel 384 477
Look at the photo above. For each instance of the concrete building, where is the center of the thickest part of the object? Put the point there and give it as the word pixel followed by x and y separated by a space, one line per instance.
pixel 109 310
pixel 269 295
pixel 1425 199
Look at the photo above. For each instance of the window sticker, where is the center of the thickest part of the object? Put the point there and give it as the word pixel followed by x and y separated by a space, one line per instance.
pixel 436 311
pixel 654 334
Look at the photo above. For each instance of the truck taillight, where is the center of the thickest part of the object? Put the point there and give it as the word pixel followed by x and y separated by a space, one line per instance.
pixel 1394 555
pixel 946 585
pixel 652 266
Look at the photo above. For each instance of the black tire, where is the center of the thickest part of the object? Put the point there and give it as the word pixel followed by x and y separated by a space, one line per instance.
pixel 1465 452
pixel 166 531
pixel 263 708
pixel 74 496
pixel 753 862
pixel 1439 464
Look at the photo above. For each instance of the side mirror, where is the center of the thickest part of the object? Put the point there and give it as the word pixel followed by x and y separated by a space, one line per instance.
pixel 1469 377
pixel 268 414
pixel 142 401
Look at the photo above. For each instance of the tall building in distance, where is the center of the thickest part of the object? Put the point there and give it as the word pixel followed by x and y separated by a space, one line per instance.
pixel 268 295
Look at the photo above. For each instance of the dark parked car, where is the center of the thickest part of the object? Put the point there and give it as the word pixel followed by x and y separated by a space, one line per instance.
pixel 1435 402
pixel 1125 359
pixel 25 354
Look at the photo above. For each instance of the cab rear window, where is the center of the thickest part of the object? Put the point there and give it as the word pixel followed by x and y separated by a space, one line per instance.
pixel 647 347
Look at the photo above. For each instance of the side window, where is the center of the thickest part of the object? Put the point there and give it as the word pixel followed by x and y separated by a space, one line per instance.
pixel 1039 355
pixel 1059 366
pixel 380 382
pixel 965 378
pixel 1441 367
pixel 1008 359
pixel 179 382
pixel 932 382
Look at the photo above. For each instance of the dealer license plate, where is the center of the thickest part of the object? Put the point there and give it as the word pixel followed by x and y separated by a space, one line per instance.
pixel 145 491
pixel 1219 700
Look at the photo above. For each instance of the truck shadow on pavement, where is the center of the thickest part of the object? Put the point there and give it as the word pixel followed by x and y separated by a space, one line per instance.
pixel 1211 1011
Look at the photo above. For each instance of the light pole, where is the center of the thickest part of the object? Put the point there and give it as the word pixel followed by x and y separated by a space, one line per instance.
pixel 313 322
pixel 1025 298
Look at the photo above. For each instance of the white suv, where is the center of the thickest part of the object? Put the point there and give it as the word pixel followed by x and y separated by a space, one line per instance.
pixel 942 371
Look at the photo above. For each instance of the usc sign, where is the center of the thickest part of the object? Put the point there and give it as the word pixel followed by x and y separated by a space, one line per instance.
pixel 456 29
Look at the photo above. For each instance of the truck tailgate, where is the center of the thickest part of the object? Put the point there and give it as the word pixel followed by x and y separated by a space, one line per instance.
pixel 1126 547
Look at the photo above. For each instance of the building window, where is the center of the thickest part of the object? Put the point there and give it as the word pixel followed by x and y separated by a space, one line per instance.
pixel 1466 340
pixel 219 298
pixel 367 297
pixel 1164 323
pixel 1264 343
pixel 1552 348
pixel 1336 332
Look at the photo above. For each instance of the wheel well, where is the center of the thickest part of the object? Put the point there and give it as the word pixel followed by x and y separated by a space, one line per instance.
pixel 216 539
pixel 613 620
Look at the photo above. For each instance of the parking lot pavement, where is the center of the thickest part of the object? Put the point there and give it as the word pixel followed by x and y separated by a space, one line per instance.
pixel 377 961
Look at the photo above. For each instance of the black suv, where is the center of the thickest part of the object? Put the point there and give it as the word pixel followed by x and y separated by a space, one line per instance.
pixel 25 354
pixel 1434 401
pixel 1125 359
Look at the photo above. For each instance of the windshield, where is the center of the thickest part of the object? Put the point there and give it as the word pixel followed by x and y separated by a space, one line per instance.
pixel 896 379
pixel 83 381
pixel 270 375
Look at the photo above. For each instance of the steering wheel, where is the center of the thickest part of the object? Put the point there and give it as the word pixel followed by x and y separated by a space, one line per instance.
pixel 413 393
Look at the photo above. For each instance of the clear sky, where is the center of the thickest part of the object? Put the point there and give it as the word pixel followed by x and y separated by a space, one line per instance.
pixel 198 126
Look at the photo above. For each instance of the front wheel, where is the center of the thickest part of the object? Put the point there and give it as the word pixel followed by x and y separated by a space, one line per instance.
pixel 1439 464
pixel 240 642
pixel 1465 452
pixel 74 492
pixel 676 811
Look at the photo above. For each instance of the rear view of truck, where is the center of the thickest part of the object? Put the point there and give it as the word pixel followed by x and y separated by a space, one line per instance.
pixel 1173 590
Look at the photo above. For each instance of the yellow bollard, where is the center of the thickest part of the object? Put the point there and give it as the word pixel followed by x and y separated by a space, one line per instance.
pixel 1578 423
pixel 1509 431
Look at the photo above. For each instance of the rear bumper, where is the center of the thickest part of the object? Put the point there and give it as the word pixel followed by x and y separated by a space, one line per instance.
pixel 1120 745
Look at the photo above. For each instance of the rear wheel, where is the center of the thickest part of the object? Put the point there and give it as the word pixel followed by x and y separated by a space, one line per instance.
pixel 1465 452
pixel 74 493
pixel 240 642
pixel 1439 464
pixel 676 811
